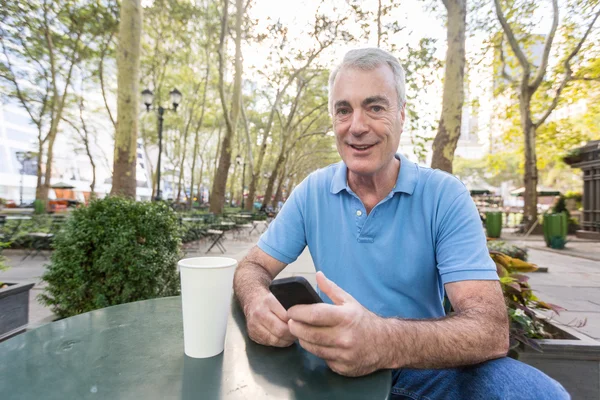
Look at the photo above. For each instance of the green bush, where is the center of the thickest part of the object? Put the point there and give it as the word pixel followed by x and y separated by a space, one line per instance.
pixel 114 251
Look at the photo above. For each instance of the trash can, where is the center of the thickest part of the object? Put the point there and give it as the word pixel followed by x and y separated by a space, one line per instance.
pixel 493 223
pixel 555 230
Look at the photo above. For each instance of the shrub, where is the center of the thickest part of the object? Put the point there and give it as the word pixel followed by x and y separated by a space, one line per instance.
pixel 111 252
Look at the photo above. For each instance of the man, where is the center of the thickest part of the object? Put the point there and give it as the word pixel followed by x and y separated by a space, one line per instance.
pixel 394 237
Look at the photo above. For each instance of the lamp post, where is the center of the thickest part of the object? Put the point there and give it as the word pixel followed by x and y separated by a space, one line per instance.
pixel 22 157
pixel 238 160
pixel 148 97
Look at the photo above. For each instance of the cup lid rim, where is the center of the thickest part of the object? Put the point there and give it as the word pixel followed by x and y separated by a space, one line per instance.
pixel 225 262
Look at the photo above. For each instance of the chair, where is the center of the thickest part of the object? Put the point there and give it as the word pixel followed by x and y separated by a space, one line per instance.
pixel 43 240
pixel 217 236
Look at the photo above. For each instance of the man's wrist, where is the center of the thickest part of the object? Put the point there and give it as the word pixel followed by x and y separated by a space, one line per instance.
pixel 385 340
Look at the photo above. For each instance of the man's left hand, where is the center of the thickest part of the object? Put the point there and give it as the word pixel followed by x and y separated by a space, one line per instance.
pixel 346 335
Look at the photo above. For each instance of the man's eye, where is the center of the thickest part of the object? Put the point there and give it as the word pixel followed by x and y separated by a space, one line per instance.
pixel 343 111
pixel 376 109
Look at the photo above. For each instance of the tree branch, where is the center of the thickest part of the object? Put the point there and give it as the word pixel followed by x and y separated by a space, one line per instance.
pixel 547 46
pixel 512 40
pixel 568 73
pixel 101 77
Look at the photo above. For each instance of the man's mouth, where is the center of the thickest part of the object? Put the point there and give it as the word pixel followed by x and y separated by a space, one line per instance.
pixel 361 147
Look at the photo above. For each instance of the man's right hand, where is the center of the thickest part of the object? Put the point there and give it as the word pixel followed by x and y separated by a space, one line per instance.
pixel 266 321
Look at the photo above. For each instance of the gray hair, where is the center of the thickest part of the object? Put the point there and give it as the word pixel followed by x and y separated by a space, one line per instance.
pixel 368 59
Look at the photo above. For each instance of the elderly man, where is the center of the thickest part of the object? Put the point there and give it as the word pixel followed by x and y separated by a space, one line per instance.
pixel 394 237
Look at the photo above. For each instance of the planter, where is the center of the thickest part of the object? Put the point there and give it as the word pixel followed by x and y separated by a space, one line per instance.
pixel 14 309
pixel 573 361
pixel 493 224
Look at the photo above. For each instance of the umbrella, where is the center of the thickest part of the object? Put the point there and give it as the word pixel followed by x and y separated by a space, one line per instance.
pixel 62 185
pixel 541 192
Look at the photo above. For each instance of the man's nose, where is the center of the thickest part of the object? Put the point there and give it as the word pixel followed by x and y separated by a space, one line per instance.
pixel 359 123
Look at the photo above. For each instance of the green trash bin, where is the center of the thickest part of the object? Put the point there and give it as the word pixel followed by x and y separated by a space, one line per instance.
pixel 493 223
pixel 555 230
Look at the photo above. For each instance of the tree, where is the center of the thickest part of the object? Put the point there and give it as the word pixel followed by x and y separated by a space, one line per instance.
pixel 291 64
pixel 42 44
pixel 446 139
pixel 217 197
pixel 531 79
pixel 128 76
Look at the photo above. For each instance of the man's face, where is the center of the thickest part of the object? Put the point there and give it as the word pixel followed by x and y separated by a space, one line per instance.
pixel 367 119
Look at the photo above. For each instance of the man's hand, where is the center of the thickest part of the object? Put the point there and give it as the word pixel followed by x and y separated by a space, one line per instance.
pixel 267 321
pixel 345 334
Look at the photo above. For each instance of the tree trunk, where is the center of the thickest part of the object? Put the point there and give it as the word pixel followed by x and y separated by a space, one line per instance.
pixel 446 139
pixel 40 173
pixel 272 178
pixel 200 182
pixel 128 71
pixel 217 197
pixel 379 24
pixel 50 155
pixel 531 172
pixel 279 191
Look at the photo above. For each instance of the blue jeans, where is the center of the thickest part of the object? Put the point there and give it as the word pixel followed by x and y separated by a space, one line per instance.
pixel 503 378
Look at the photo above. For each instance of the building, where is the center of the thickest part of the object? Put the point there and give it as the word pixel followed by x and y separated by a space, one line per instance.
pixel 71 164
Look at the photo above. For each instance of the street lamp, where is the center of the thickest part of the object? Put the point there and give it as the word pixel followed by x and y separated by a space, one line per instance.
pixel 148 97
pixel 22 157
pixel 238 160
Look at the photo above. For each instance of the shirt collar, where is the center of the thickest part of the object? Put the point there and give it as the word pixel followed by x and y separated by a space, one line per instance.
pixel 406 182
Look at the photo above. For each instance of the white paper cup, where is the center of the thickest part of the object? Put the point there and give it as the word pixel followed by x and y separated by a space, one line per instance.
pixel 206 289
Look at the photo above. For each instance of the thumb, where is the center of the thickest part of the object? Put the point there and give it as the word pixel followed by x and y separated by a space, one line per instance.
pixel 333 291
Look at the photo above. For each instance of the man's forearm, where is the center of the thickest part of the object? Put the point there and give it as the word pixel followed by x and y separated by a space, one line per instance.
pixel 460 339
pixel 250 279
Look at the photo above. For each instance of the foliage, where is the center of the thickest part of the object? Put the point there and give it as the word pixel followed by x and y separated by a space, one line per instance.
pixel 511 250
pixel 521 302
pixel 111 252
pixel 3 266
pixel 20 229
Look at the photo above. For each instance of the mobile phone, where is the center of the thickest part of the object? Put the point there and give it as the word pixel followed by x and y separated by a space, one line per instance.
pixel 293 291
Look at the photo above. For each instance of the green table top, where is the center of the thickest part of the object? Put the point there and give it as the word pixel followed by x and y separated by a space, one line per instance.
pixel 135 351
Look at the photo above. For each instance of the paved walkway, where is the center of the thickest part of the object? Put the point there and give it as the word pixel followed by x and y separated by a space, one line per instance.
pixel 572 280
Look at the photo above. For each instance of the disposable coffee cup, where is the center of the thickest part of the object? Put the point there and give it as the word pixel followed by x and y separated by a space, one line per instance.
pixel 206 289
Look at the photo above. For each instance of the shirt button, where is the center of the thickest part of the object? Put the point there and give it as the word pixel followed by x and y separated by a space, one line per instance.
pixel 358 213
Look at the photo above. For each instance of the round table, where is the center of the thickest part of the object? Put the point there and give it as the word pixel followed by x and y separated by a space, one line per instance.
pixel 135 351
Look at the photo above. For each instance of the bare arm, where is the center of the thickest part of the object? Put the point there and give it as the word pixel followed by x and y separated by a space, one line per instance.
pixel 354 341
pixel 266 318
pixel 477 331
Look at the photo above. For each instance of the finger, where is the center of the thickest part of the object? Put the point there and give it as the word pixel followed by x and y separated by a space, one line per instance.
pixel 277 327
pixel 320 314
pixel 322 336
pixel 326 353
pixel 277 309
pixel 261 335
pixel 266 320
pixel 333 291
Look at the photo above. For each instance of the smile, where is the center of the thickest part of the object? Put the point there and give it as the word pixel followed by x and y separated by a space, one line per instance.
pixel 362 147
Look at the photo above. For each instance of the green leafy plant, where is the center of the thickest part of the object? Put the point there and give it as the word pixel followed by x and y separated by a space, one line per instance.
pixel 525 324
pixel 111 252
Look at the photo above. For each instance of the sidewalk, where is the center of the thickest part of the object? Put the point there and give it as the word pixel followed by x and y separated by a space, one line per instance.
pixel 572 282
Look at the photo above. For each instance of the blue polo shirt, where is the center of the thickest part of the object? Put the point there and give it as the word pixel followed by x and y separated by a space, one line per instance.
pixel 396 260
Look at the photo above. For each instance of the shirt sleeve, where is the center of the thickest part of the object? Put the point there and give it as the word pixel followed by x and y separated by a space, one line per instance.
pixel 285 239
pixel 461 250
